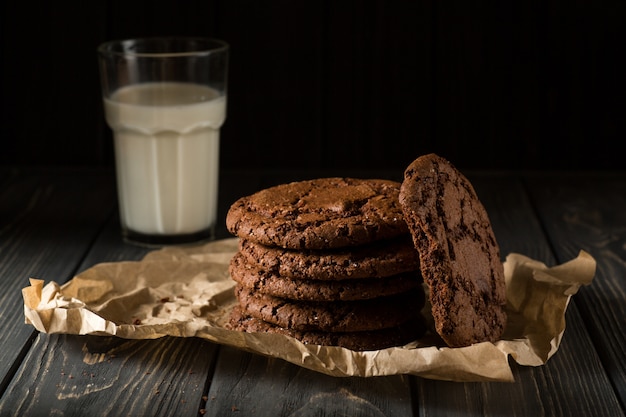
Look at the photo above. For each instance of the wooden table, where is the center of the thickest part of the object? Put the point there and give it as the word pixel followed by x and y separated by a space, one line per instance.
pixel 55 223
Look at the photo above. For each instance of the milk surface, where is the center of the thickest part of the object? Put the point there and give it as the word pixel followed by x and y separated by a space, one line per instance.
pixel 167 156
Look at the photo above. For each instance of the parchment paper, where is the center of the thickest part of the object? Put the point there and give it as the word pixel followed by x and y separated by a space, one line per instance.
pixel 187 292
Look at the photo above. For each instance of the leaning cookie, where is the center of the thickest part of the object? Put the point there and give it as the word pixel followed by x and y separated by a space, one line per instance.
pixel 319 214
pixel 459 255
pixel 332 316
pixel 358 341
pixel 267 282
pixel 379 259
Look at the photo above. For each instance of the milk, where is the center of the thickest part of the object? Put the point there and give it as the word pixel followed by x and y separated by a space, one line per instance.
pixel 167 156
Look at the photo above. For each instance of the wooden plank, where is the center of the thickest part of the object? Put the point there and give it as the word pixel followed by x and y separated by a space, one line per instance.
pixel 78 375
pixel 104 376
pixel 250 384
pixel 543 390
pixel 572 382
pixel 587 212
pixel 126 367
pixel 47 222
pixel 254 385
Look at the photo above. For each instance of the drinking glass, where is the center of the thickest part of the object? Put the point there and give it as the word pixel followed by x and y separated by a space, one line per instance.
pixel 165 101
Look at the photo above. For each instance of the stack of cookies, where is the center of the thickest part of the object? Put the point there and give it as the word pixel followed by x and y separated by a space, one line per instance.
pixel 334 261
pixel 329 262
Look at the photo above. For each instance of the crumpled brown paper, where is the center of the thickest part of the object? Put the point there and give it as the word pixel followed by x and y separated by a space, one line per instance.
pixel 187 292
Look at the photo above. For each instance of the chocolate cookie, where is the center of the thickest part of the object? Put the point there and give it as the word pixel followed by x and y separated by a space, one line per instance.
pixel 459 255
pixel 332 316
pixel 359 341
pixel 319 214
pixel 380 259
pixel 267 282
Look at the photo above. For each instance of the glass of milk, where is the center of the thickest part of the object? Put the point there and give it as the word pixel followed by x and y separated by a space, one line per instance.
pixel 165 100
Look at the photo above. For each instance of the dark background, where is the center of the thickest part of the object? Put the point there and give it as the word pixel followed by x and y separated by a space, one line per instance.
pixel 340 84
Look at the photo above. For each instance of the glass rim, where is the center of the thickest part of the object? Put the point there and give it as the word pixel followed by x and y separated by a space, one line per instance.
pixel 124 47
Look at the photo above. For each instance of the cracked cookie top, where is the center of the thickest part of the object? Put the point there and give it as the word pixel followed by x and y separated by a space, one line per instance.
pixel 322 213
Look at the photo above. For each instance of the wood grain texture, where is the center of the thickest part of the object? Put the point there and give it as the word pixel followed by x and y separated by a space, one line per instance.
pixel 161 377
pixel 581 214
pixel 254 385
pixel 47 222
pixel 568 381
pixel 104 376
pixel 54 223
